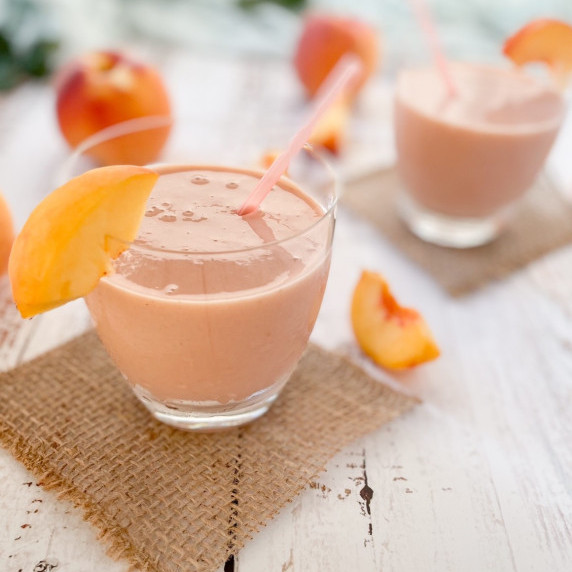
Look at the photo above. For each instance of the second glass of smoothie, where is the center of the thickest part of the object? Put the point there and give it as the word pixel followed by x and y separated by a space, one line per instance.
pixel 207 313
pixel 465 160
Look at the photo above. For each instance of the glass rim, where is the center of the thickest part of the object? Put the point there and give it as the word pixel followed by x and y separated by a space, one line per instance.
pixel 502 129
pixel 135 246
pixel 158 121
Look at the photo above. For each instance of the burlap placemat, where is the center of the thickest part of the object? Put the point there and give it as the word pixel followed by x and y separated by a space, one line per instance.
pixel 542 223
pixel 167 500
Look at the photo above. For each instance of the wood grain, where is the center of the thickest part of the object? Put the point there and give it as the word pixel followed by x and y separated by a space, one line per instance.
pixel 477 478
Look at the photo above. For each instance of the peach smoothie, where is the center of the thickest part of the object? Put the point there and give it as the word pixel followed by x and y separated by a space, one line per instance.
pixel 206 306
pixel 470 155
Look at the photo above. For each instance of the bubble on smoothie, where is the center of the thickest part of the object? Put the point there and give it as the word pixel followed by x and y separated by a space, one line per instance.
pixel 188 216
pixel 232 185
pixel 153 211
pixel 168 218
pixel 166 204
pixel 171 289
pixel 199 180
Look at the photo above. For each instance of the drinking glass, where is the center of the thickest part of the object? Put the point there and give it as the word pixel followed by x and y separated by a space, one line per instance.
pixel 207 339
pixel 466 160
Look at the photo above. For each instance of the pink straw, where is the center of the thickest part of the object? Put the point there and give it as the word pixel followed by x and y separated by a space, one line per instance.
pixel 425 20
pixel 346 70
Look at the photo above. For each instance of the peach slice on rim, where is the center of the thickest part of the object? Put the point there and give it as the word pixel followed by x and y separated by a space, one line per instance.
pixel 70 239
pixel 393 336
pixel 545 40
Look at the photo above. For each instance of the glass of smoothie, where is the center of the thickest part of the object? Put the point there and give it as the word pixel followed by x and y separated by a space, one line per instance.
pixel 207 313
pixel 465 160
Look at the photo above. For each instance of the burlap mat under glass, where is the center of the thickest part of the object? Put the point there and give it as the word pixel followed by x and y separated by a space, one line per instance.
pixel 541 223
pixel 164 499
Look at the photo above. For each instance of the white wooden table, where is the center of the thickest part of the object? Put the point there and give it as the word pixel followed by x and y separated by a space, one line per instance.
pixel 477 478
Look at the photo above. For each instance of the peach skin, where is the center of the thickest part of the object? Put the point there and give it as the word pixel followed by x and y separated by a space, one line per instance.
pixel 101 89
pixel 324 40
pixel 68 242
pixel 393 336
pixel 6 234
pixel 545 40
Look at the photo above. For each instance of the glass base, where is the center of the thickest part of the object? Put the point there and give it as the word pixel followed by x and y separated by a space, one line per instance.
pixel 209 417
pixel 444 230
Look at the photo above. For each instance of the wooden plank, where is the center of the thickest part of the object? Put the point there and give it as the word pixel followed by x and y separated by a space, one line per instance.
pixel 475 479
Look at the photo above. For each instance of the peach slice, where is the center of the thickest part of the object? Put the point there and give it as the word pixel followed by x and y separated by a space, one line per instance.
pixel 330 131
pixel 324 40
pixel 393 336
pixel 544 40
pixel 268 157
pixel 6 234
pixel 101 89
pixel 68 242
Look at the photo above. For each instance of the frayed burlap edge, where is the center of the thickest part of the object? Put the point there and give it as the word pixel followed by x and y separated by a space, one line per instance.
pixel 115 538
pixel 540 224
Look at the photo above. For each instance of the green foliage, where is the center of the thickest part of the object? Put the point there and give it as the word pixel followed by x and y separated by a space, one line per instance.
pixel 26 43
pixel 290 4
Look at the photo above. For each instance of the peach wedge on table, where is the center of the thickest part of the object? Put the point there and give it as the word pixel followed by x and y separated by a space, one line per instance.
pixel 393 336
pixel 70 239
pixel 547 41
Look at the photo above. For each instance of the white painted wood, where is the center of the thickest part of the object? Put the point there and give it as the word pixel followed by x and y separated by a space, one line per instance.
pixel 476 478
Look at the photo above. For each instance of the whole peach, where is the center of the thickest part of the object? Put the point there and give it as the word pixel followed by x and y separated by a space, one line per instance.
pixel 324 40
pixel 101 89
